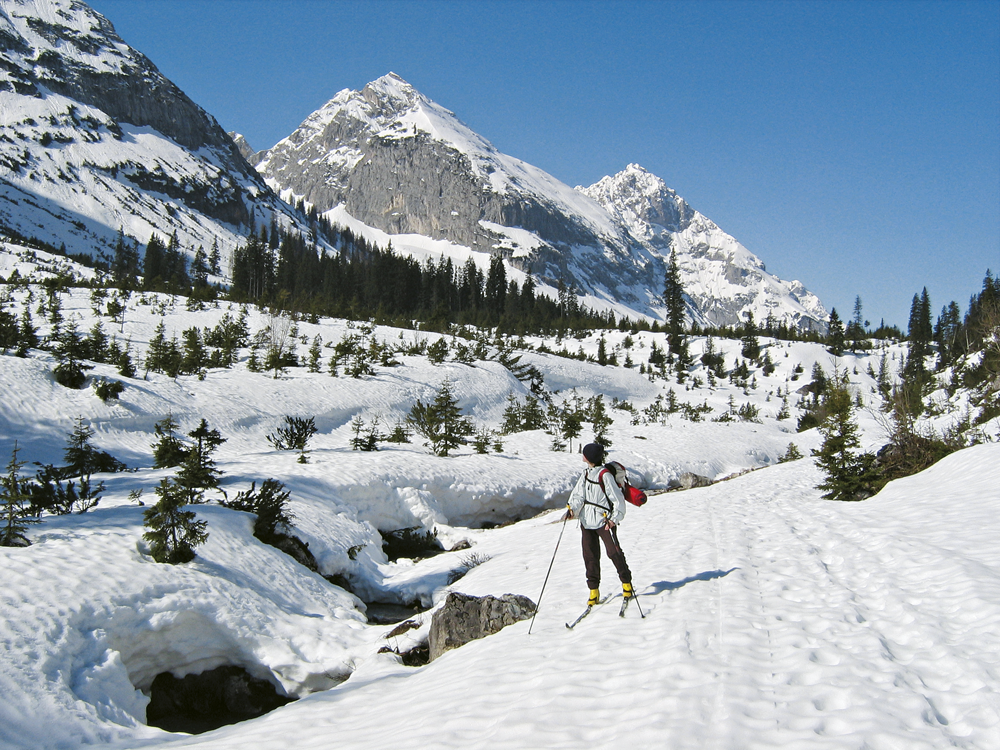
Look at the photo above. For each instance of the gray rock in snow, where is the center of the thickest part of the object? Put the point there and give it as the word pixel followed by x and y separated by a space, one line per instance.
pixel 688 480
pixel 465 618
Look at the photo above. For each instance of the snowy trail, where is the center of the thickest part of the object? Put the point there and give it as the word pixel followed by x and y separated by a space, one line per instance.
pixel 774 619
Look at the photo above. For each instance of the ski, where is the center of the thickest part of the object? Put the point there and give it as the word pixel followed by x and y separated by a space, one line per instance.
pixel 576 622
pixel 621 612
pixel 590 608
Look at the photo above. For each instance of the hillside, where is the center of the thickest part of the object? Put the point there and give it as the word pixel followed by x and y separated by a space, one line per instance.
pixel 772 617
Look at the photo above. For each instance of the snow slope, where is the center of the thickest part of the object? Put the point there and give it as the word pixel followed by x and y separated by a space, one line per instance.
pixel 773 618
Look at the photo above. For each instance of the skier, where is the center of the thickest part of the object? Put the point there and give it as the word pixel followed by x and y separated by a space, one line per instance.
pixel 597 501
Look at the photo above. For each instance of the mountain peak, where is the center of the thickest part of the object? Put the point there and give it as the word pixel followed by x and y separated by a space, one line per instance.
pixel 392 88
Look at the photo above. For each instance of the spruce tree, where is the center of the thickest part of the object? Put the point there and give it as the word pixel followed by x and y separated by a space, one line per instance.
pixel 70 351
pixel 169 450
pixel 850 473
pixel 600 420
pixel 441 422
pixel 673 297
pixel 198 471
pixel 315 352
pixel 194 357
pixel 835 339
pixel 751 345
pixel 14 508
pixel 173 532
pixel 27 336
pixel 8 327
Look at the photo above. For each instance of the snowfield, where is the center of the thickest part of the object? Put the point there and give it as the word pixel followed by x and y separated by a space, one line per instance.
pixel 773 618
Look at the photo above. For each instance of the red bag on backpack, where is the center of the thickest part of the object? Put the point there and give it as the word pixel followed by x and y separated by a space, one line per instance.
pixel 633 495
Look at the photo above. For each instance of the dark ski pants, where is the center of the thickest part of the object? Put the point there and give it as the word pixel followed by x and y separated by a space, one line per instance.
pixel 592 555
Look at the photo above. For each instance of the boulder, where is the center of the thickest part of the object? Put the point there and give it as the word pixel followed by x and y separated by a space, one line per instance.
pixel 688 480
pixel 465 618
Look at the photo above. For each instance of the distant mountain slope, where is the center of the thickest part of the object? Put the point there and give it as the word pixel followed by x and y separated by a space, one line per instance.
pixel 723 278
pixel 398 162
pixel 93 138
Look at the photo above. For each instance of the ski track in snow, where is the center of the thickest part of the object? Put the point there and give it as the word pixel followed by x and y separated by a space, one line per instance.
pixel 773 619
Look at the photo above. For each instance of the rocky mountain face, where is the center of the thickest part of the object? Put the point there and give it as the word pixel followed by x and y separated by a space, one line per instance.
pixel 723 279
pixel 396 161
pixel 93 139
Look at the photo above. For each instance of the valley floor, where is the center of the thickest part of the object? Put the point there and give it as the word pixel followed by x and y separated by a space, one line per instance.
pixel 773 619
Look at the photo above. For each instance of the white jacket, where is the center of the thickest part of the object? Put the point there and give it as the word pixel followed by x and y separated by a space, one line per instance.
pixel 595 503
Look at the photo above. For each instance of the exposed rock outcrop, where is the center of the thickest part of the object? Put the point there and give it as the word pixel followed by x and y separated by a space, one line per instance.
pixel 465 618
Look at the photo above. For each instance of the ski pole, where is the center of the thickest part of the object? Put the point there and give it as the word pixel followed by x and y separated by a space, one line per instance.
pixel 546 581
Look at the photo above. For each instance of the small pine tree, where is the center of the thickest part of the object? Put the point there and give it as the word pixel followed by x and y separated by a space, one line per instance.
pixel 294 436
pixel 399 434
pixel 357 425
pixel 511 416
pixel 441 422
pixel 570 427
pixel 27 335
pixel 315 352
pixel 194 356
pixel 268 504
pixel 836 338
pixel 791 454
pixel 14 505
pixel 199 472
pixel 850 473
pixel 601 421
pixel 438 351
pixel 169 450
pixel 70 351
pixel 173 532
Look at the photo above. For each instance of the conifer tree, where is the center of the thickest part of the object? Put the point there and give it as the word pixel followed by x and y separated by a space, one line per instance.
pixel 600 420
pixel 14 509
pixel 97 343
pixel 850 473
pixel 8 327
pixel 198 472
pixel 570 427
pixel 511 415
pixel 194 358
pixel 169 450
pixel 673 297
pixel 27 335
pixel 153 265
pixel 835 338
pixel 70 351
pixel 441 422
pixel 214 258
pixel 173 532
pixel 79 453
pixel 751 345
pixel 315 352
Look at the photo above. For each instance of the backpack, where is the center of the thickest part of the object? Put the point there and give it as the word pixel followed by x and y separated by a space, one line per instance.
pixel 631 494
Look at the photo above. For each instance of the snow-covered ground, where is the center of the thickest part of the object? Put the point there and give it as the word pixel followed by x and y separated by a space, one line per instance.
pixel 773 618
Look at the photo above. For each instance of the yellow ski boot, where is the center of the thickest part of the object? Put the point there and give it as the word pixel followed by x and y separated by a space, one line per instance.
pixel 627 591
pixel 595 597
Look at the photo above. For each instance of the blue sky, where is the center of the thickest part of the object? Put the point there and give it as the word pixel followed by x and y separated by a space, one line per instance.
pixel 851 144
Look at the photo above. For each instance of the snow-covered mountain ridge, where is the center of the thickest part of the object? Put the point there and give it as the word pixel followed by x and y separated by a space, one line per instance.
pixel 397 161
pixel 93 140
